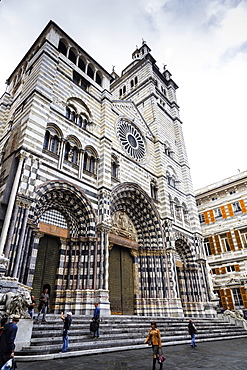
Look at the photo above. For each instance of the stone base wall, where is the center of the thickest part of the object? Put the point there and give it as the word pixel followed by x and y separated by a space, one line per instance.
pixel 81 302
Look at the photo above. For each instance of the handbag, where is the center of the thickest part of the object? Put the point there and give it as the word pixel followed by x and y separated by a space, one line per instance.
pixel 9 365
pixel 161 357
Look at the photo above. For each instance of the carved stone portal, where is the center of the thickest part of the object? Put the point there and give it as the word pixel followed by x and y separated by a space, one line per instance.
pixel 123 226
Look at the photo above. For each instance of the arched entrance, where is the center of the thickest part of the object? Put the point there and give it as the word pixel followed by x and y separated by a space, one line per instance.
pixel 121 282
pixel 46 267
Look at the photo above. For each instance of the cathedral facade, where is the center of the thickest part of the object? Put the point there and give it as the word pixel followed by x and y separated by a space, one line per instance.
pixel 97 201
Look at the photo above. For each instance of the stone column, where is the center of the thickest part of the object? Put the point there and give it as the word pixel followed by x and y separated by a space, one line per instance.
pixel 20 243
pixel 11 203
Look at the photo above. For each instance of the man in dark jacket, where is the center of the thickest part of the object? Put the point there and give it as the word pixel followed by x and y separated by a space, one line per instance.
pixel 67 322
pixel 96 315
pixel 7 345
pixel 192 331
pixel 44 305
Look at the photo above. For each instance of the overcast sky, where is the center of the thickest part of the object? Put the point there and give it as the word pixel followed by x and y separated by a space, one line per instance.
pixel 202 42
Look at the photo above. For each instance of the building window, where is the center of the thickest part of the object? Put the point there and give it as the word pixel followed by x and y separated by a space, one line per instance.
pixel 54 144
pixel 171 206
pixel 154 190
pixel 51 141
pixel 81 64
pixel 225 243
pixel 207 247
pixel 62 47
pixel 217 213
pixel 46 140
pixel 232 192
pixel 89 164
pixel 237 297
pixel 214 198
pixel 124 89
pixel 71 152
pixel 114 167
pixel 90 72
pixel 243 234
pixel 70 113
pixel 185 213
pixel 177 209
pixel 72 56
pixel 230 268
pixel 171 180
pixel 201 218
pixel 98 79
pixel 168 151
pixel 236 207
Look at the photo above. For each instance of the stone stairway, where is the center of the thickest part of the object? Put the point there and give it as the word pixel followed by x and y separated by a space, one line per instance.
pixel 119 333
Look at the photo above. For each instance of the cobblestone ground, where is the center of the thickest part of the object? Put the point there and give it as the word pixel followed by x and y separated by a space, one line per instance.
pixel 218 355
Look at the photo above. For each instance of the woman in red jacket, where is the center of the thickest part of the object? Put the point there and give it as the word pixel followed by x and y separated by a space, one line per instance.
pixel 154 339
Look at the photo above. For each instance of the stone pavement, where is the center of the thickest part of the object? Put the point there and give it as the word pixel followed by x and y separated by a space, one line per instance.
pixel 218 355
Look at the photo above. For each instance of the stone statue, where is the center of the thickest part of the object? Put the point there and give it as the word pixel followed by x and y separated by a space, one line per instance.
pixel 237 315
pixel 15 304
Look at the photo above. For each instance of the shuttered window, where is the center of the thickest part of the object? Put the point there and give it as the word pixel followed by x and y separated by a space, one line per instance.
pixel 229 237
pixel 223 211
pixel 242 205
pixel 223 299
pixel 206 218
pixel 238 239
pixel 244 296
pixel 237 268
pixel 211 242
pixel 217 241
pixel 211 212
pixel 231 213
pixel 229 299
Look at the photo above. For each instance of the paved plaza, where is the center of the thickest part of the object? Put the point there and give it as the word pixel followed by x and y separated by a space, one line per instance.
pixel 218 355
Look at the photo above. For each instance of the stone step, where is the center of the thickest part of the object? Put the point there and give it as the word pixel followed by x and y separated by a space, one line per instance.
pixel 121 332
pixel 100 343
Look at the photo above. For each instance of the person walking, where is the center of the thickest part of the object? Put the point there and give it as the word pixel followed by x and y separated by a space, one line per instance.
pixel 94 326
pixel 192 331
pixel 44 305
pixel 96 315
pixel 154 339
pixel 7 339
pixel 66 326
pixel 31 307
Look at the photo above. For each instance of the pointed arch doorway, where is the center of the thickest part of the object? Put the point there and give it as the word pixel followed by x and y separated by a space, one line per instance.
pixel 46 268
pixel 121 281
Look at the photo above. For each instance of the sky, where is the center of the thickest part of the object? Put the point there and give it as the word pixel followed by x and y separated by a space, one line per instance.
pixel 203 43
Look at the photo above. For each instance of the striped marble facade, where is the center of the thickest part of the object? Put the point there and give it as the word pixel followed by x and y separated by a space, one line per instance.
pixel 91 160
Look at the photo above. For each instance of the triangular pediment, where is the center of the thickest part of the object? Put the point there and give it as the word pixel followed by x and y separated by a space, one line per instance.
pixel 127 109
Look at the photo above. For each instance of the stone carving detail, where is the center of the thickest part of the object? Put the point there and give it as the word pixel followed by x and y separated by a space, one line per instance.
pixel 15 304
pixel 123 226
pixel 237 315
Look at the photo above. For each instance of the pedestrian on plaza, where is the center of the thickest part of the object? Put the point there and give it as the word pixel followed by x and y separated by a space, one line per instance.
pixel 43 305
pixel 154 339
pixel 31 307
pixel 7 339
pixel 66 326
pixel 4 321
pixel 94 326
pixel 96 315
pixel 192 332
